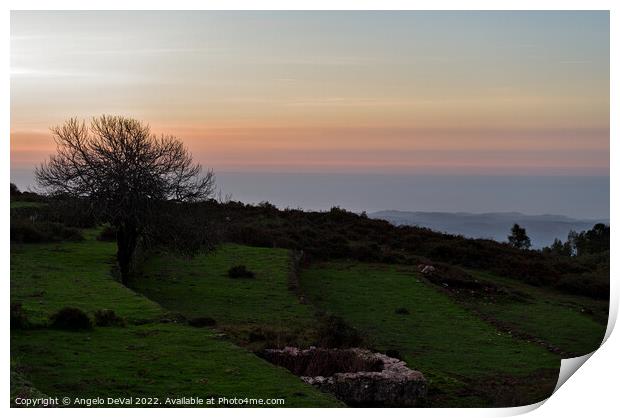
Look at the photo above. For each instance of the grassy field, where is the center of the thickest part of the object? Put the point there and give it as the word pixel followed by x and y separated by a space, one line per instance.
pixel 453 347
pixel 472 350
pixel 200 287
pixel 48 277
pixel 147 357
pixel 15 204
pixel 162 360
pixel 574 324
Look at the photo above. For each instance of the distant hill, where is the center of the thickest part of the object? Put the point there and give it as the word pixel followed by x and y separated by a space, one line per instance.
pixel 542 229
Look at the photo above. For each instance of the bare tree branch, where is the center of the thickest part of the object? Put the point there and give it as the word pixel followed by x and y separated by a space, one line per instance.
pixel 123 169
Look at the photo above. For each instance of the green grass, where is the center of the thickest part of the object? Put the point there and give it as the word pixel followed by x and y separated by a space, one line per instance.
pixel 451 345
pixel 200 286
pixel 155 360
pixel 48 277
pixel 15 204
pixel 554 317
pixel 467 361
pixel 152 359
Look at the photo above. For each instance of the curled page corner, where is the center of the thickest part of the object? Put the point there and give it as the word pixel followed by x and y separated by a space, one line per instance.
pixel 520 410
pixel 612 316
pixel 568 367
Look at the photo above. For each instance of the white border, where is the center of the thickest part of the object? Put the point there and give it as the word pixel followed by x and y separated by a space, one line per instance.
pixel 592 391
pixel 313 5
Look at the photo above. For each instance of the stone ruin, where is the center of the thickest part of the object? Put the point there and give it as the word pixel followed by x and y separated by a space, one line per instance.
pixel 356 376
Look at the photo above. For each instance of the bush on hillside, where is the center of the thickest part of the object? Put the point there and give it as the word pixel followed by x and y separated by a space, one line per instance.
pixel 27 231
pixel 588 284
pixel 71 212
pixel 240 272
pixel 70 319
pixel 334 332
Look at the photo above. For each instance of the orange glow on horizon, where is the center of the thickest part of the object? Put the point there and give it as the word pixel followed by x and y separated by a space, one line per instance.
pixel 268 92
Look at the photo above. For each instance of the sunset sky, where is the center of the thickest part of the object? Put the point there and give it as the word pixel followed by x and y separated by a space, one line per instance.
pixel 354 92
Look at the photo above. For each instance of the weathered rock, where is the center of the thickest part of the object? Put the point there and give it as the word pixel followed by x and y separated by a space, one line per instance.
pixel 426 269
pixel 356 376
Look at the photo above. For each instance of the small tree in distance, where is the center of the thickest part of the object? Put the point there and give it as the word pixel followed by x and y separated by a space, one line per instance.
pixel 560 248
pixel 122 171
pixel 518 238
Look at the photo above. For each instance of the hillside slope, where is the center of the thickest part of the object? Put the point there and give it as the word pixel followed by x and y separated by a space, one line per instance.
pixel 468 361
pixel 255 311
pixel 151 356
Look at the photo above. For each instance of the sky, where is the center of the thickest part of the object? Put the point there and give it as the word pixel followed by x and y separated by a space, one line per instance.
pixel 389 93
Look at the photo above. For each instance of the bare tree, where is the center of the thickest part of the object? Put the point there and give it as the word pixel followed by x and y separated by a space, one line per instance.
pixel 122 170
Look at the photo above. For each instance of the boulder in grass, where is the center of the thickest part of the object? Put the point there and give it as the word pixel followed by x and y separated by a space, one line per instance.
pixel 426 269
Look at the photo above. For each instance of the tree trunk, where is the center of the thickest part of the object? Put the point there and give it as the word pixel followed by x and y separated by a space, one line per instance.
pixel 126 240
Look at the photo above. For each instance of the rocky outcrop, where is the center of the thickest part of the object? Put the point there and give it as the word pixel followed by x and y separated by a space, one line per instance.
pixel 356 376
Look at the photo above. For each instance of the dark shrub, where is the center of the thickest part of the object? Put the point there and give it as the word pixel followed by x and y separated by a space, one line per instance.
pixel 365 252
pixel 26 231
pixel 18 317
pixel 402 311
pixel 333 332
pixel 338 234
pixel 200 322
pixel 23 231
pixel 108 233
pixel 75 213
pixel 108 318
pixel 251 235
pixel 443 252
pixel 338 214
pixel 181 228
pixel 589 284
pixel 240 271
pixel 70 319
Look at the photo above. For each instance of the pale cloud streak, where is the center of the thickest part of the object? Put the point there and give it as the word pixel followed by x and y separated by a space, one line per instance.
pixel 411 90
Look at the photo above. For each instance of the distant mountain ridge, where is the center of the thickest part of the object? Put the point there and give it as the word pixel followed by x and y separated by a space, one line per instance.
pixel 542 229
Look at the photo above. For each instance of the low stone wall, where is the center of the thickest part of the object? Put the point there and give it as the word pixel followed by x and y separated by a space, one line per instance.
pixel 356 376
